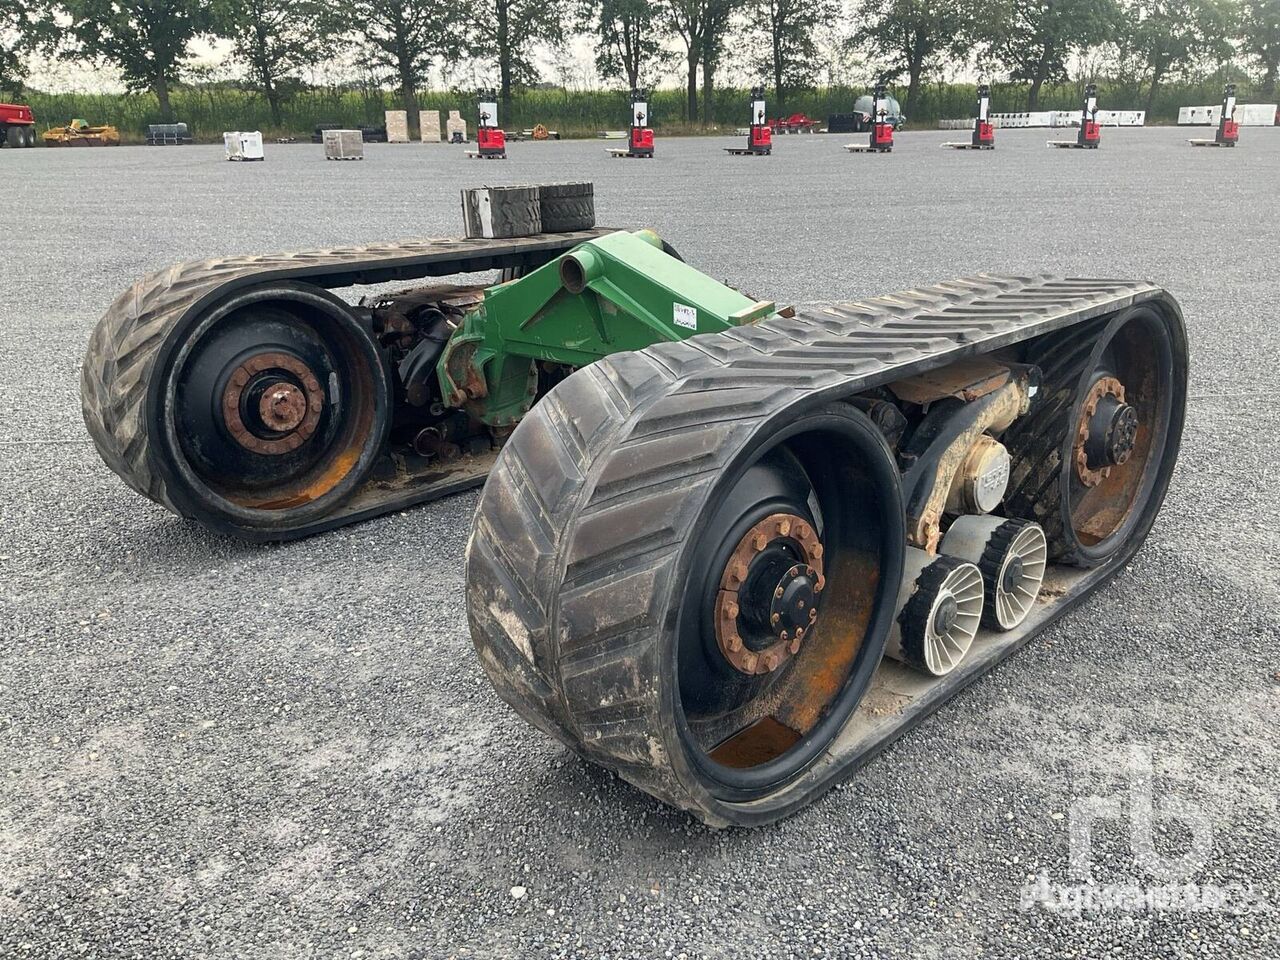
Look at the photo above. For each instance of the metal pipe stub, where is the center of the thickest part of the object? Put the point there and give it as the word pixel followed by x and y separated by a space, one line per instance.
pixel 769 592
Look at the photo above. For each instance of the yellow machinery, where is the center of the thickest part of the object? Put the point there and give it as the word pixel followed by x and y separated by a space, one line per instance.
pixel 78 133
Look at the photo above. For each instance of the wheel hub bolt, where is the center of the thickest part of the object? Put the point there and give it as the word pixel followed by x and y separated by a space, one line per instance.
pixel 1122 434
pixel 1012 575
pixel 282 407
pixel 944 618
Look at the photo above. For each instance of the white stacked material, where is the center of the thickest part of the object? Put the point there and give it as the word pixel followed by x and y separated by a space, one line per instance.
pixel 243 145
pixel 954 124
pixel 1107 118
pixel 343 145
pixel 455 124
pixel 397 126
pixel 429 126
pixel 1247 115
pixel 1038 118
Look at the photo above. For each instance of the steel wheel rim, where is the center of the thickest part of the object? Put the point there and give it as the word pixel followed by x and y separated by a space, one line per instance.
pixel 783 762
pixel 353 381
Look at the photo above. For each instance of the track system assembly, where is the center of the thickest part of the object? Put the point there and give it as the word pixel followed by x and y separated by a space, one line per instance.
pixel 602 538
pixel 725 549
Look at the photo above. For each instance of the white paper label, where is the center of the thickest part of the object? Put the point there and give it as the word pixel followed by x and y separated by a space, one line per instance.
pixel 684 316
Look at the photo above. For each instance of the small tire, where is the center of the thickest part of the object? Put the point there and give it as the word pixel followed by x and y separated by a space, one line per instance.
pixel 14 138
pixel 31 136
pixel 567 207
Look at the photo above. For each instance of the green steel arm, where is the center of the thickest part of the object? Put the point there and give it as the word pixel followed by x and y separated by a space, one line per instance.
pixel 616 293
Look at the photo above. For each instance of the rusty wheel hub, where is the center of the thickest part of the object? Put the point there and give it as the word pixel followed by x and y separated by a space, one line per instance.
pixel 272 403
pixel 1106 433
pixel 768 596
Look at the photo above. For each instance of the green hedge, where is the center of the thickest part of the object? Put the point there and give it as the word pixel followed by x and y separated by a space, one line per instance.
pixel 210 110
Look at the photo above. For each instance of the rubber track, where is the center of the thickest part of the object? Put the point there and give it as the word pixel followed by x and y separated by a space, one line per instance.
pixel 578 547
pixel 117 374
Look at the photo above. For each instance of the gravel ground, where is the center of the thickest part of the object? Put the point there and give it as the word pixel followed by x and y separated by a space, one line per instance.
pixel 213 749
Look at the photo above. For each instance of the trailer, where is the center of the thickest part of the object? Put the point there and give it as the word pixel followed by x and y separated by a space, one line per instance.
pixel 17 125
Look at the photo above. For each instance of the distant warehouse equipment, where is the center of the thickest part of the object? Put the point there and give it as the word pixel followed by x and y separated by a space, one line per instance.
pixel 168 135
pixel 243 145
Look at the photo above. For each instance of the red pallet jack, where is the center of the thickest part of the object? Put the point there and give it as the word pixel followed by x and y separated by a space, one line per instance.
pixel 1228 132
pixel 984 134
pixel 491 142
pixel 640 134
pixel 759 134
pixel 1090 130
pixel 881 129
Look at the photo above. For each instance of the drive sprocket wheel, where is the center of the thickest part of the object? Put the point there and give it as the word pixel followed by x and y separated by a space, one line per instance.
pixel 655 645
pixel 1091 461
pixel 255 416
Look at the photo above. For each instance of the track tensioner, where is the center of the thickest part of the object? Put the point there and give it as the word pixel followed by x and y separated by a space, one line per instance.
pixel 724 549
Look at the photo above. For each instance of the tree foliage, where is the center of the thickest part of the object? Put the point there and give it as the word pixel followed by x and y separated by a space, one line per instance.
pixel 783 32
pixel 506 32
pixel 700 26
pixel 912 37
pixel 628 38
pixel 275 40
pixel 1168 37
pixel 26 26
pixel 1260 39
pixel 1033 39
pixel 402 38
pixel 146 40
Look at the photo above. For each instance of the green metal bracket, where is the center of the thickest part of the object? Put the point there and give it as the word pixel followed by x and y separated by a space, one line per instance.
pixel 616 293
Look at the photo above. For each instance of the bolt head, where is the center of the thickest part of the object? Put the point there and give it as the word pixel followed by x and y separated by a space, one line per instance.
pixel 775 618
pixel 733 642
pixel 784 527
pixel 732 610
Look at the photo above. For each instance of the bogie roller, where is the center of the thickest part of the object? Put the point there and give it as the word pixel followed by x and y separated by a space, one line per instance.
pixel 725 549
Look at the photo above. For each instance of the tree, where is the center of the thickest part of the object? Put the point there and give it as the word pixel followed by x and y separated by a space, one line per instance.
pixel 1260 39
pixel 25 26
pixel 1032 39
pixel 629 36
pixel 506 32
pixel 404 37
pixel 701 26
pixel 275 39
pixel 146 40
pixel 784 29
pixel 911 37
pixel 1168 37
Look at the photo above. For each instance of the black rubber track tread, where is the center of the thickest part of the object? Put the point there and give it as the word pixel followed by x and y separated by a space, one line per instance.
pixel 990 563
pixel 122 351
pixel 579 540
pixel 1035 490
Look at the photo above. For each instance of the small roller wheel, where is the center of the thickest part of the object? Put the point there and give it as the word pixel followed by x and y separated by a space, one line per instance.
pixel 1012 556
pixel 1092 460
pixel 940 608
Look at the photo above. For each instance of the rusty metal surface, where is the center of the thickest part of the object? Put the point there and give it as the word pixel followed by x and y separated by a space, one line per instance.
pixel 1103 387
pixel 776 526
pixel 283 407
pixel 965 380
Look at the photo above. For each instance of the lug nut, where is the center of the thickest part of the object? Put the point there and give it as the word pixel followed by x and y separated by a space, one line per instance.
pixel 774 619
pixel 813 614
pixel 733 642
pixel 732 610
pixel 784 527
pixel 778 593
pixel 759 542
